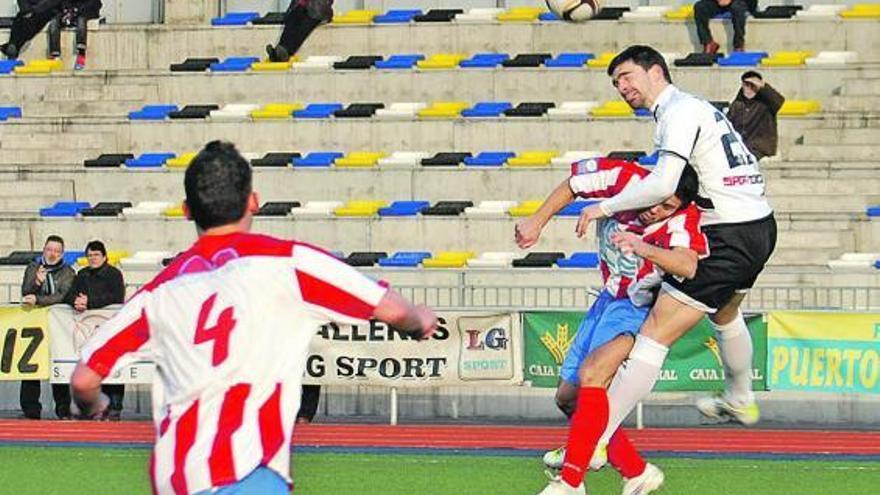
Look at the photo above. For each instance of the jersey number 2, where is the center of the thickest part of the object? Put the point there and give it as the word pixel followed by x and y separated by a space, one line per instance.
pixel 219 333
pixel 736 151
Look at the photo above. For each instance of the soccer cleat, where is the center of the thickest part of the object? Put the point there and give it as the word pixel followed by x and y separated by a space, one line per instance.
pixel 558 487
pixel 553 459
pixel 718 407
pixel 651 479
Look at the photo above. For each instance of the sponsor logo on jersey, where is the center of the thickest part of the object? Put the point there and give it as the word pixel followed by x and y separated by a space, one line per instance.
pixel 743 180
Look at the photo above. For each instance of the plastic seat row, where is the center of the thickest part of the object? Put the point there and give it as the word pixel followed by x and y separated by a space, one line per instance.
pixel 145 209
pixel 855 262
pixel 777 59
pixel 468 259
pixel 7 113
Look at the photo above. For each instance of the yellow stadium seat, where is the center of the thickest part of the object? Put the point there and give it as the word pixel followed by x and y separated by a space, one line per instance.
pixel 682 13
pixel 797 108
pixel 272 111
pixel 521 14
pixel 174 212
pixel 113 257
pixel 441 61
pixel 786 59
pixel 532 159
pixel 862 11
pixel 40 66
pixel 525 208
pixel 602 61
pixel 360 208
pixel 443 110
pixel 449 259
pixel 181 161
pixel 355 17
pixel 267 66
pixel 613 109
pixel 358 159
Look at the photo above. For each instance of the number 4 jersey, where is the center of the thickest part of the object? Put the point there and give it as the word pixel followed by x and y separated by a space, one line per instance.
pixel 731 186
pixel 228 325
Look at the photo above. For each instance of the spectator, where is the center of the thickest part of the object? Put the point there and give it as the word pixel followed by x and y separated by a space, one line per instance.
pixel 753 114
pixel 96 286
pixel 707 9
pixel 33 15
pixel 302 17
pixel 46 282
pixel 308 406
pixel 73 14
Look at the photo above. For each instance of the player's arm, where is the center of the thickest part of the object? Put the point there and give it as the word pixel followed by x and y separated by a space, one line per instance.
pixel 86 384
pixel 654 188
pixel 396 311
pixel 529 229
pixel 680 261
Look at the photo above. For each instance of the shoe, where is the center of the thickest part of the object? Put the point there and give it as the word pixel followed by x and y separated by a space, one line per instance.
pixel 711 47
pixel 63 413
pixel 651 479
pixel 558 487
pixel 30 415
pixel 54 55
pixel 9 50
pixel 277 53
pixel 553 459
pixel 739 48
pixel 80 63
pixel 718 407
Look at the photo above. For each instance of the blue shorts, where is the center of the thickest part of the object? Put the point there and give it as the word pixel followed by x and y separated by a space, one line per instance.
pixel 260 481
pixel 607 319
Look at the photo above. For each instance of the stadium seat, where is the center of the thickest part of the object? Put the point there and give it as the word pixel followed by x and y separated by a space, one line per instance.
pixel 549 17
pixel 235 19
pixel 105 209
pixel 316 63
pixel 403 158
pixel 535 158
pixel 318 159
pixel 615 108
pixel 181 161
pixel 527 60
pixel 277 208
pixel 360 208
pixel 443 110
pixel 193 112
pixel 854 262
pixel 862 11
pixel 489 159
pixel 233 112
pixel 574 208
pixel 9 113
pixel 478 15
pixel 365 258
pixel 778 12
pixel 268 66
pixel 445 159
pixel 873 211
pixel 489 209
pixel 487 109
pixel 146 209
pixel 152 112
pixel 194 65
pixel 405 259
pixel 697 59
pixel 683 13
pixel 20 258
pixel 521 14
pixel 628 155
pixel 447 208
pixel 173 211
pixel 144 260
pixel 317 111
pixel 358 111
pixel 404 208
pixel 70 257
pixel 820 12
pixel 570 157
pixel 275 111
pixel 270 19
pixel 357 62
pixel 610 13
pixel 407 61
pixel 234 64
pixel 530 109
pixel 649 160
pixel 569 60
pixel 359 159
pixel 355 17
pixel 316 209
pixel 276 159
pixel 448 259
pixel 602 61
pixel 742 59
pixel 438 15
pixel 525 208
pixel 786 59
pixel 149 160
pixel 537 260
pixel 492 259
pixel 646 13
pixel 484 61
pixel 64 209
pixel 797 108
pixel 399 16
pixel 441 61
pixel 7 66
pixel 114 257
pixel 829 58
pixel 39 66
pixel 643 112
pixel 108 160
pixel 579 260
pixel 569 110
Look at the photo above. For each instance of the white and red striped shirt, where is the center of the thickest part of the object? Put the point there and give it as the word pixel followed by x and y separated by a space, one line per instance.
pixel 228 325
pixel 626 274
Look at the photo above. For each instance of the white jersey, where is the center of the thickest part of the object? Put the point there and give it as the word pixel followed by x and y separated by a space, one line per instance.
pixel 228 325
pixel 731 186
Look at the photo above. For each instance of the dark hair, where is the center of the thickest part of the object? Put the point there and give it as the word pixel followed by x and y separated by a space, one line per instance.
pixel 55 238
pixel 688 186
pixel 643 56
pixel 750 73
pixel 218 184
pixel 96 246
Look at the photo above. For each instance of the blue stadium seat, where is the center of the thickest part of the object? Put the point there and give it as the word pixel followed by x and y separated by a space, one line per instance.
pixel 7 66
pixel 877 264
pixel 149 160
pixel 873 211
pixel 318 159
pixel 649 160
pixel 407 61
pixel 487 109
pixel 234 64
pixel 10 113
pixel 64 209
pixel 574 208
pixel 397 16
pixel 153 112
pixel 549 17
pixel 489 159
pixel 579 260
pixel 235 19
pixel 317 111
pixel 70 257
pixel 404 208
pixel 484 60
pixel 644 112
pixel 742 59
pixel 569 60
pixel 405 259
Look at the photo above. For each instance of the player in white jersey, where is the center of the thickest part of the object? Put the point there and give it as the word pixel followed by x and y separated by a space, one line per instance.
pixel 737 221
pixel 228 324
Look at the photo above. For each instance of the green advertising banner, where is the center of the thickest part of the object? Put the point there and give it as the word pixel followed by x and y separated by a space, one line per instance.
pixel 693 363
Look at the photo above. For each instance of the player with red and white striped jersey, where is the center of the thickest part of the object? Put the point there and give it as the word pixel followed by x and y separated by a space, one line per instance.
pixel 228 324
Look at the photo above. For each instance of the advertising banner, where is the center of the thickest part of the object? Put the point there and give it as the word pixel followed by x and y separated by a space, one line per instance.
pixel 24 344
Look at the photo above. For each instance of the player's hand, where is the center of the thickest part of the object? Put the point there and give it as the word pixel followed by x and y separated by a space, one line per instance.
pixel 81 303
pixel 41 275
pixel 99 410
pixel 588 214
pixel 29 300
pixel 629 243
pixel 527 232
pixel 427 320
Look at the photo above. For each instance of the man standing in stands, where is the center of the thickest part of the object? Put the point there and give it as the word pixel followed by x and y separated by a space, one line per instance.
pixel 96 286
pixel 704 10
pixel 753 114
pixel 302 17
pixel 46 281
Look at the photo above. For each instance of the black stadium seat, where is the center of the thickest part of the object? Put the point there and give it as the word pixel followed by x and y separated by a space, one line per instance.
pixel 270 19
pixel 276 159
pixel 445 159
pixel 610 13
pixel 277 208
pixel 365 258
pixel 538 260
pixel 105 209
pixel 527 60
pixel 698 60
pixel 447 208
pixel 778 12
pixel 194 65
pixel 358 110
pixel 438 15
pixel 358 62
pixel 108 160
pixel 19 258
pixel 529 109
pixel 194 112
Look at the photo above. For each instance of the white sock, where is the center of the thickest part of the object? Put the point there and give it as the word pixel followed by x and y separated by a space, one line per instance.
pixel 633 382
pixel 735 343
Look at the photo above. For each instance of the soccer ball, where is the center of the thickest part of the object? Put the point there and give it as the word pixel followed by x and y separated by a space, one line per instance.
pixel 574 10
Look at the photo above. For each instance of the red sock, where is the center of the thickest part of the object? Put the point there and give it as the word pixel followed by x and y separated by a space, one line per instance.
pixel 587 425
pixel 622 454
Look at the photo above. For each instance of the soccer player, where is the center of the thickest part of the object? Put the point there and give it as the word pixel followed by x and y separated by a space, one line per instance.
pixel 228 325
pixel 736 219
pixel 636 248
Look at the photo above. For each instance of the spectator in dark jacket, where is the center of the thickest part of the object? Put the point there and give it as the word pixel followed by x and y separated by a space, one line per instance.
pixel 302 17
pixel 707 9
pixel 46 282
pixel 96 286
pixel 33 15
pixel 753 114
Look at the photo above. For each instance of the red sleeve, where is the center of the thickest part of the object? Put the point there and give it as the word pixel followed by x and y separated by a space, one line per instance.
pixel 125 333
pixel 603 177
pixel 682 230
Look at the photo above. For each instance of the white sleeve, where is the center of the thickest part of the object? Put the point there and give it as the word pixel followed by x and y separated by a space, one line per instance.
pixel 660 184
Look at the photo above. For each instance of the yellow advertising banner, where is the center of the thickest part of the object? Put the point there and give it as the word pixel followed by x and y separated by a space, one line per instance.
pixel 24 343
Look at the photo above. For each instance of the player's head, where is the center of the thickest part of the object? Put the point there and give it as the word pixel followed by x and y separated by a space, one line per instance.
pixel 639 73
pixel 685 194
pixel 219 189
